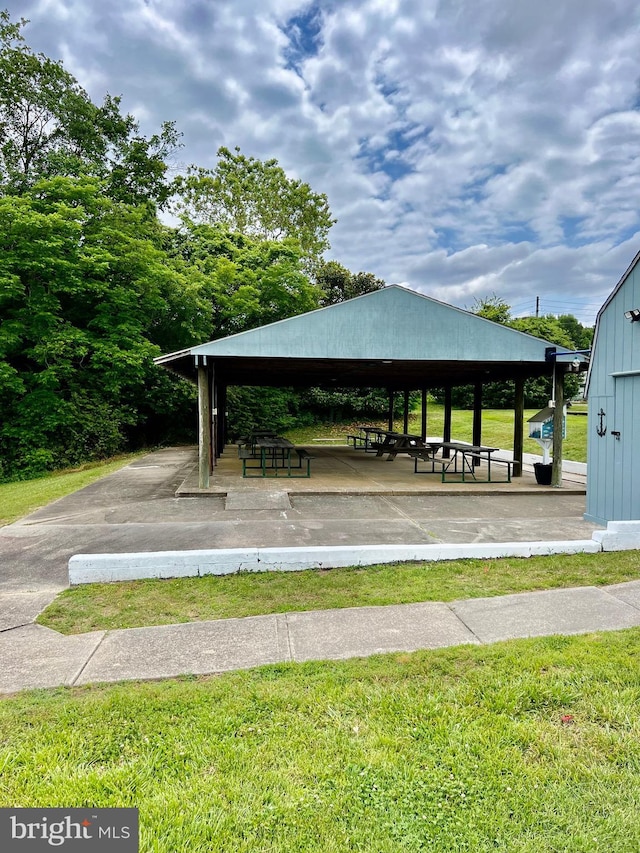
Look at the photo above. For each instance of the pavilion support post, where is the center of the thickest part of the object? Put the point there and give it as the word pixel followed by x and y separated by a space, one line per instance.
pixel 558 417
pixel 423 414
pixel 213 457
pixel 221 419
pixel 204 426
pixel 518 428
pixel 391 399
pixel 446 429
pixel 477 419
pixel 405 422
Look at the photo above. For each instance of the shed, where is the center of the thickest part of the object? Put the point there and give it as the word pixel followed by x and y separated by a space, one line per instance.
pixel 392 338
pixel 613 390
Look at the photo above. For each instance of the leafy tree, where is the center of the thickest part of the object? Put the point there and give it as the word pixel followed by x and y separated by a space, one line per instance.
pixel 537 392
pixel 87 299
pixel 49 126
pixel 250 282
pixel 582 336
pixel 339 284
pixel 257 199
pixel 493 308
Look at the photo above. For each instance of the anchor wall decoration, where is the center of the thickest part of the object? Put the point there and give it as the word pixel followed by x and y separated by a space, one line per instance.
pixel 601 428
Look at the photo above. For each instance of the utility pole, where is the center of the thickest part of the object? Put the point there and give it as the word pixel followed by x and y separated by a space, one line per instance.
pixel 537 306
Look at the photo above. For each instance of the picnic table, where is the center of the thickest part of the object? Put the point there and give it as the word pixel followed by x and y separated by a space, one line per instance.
pixel 399 442
pixel 368 438
pixel 273 456
pixel 462 462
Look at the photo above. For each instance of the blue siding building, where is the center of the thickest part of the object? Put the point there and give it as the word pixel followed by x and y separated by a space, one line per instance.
pixel 613 389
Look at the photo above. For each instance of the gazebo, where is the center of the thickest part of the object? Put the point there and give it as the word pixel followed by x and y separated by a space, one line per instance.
pixel 392 338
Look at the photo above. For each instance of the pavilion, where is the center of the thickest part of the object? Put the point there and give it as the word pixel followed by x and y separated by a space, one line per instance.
pixel 392 338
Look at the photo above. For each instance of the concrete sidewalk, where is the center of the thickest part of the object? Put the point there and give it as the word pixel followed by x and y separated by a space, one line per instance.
pixel 34 656
pixel 136 510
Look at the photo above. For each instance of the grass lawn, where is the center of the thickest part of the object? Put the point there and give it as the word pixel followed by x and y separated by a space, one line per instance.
pixel 497 430
pixel 527 746
pixel 160 602
pixel 22 497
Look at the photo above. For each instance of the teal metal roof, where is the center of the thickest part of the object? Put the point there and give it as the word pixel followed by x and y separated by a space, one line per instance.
pixel 392 326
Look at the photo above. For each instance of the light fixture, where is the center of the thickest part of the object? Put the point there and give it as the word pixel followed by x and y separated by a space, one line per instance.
pixel 633 314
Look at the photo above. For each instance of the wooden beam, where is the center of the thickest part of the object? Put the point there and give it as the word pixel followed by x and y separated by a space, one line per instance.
pixel 391 396
pixel 204 427
pixel 518 428
pixel 558 412
pixel 406 413
pixel 423 413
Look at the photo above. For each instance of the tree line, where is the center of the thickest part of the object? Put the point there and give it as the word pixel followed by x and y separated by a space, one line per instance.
pixel 94 285
pixel 564 330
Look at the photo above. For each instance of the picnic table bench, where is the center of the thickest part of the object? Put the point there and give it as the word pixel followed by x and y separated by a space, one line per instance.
pixel 462 463
pixel 273 456
pixel 399 442
pixel 368 438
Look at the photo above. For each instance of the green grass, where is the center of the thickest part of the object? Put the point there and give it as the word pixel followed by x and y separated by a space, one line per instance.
pixel 497 430
pixel 527 746
pixel 20 498
pixel 159 602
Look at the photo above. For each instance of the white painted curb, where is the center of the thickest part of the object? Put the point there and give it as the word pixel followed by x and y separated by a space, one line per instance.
pixel 619 536
pixel 104 568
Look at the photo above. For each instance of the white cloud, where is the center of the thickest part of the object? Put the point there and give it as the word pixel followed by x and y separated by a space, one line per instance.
pixel 466 148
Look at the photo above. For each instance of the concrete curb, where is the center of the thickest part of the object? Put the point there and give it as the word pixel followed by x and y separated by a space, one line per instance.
pixel 105 568
pixel 619 536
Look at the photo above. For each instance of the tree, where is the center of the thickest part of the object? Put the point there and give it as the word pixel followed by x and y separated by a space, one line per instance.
pixel 87 299
pixel 257 199
pixel 249 282
pixel 339 284
pixel 493 308
pixel 582 336
pixel 49 126
pixel 537 392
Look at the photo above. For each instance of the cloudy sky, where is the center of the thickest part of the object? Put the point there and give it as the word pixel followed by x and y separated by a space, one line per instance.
pixel 467 147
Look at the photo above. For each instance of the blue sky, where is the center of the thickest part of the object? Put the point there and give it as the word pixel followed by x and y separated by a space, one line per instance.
pixel 467 147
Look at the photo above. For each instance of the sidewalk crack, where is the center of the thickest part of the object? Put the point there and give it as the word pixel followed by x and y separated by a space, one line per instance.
pixel 462 622
pixel 88 660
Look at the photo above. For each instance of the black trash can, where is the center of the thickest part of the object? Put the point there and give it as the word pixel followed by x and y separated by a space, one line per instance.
pixel 543 473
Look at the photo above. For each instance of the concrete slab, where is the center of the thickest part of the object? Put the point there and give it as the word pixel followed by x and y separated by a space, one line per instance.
pixel 252 499
pixel 628 592
pixel 195 648
pixel 352 507
pixel 343 470
pixel 535 614
pixel 526 505
pixel 21 608
pixel 354 632
pixel 466 531
pixel 34 656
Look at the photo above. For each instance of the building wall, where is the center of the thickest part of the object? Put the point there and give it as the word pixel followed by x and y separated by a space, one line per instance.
pixel 613 463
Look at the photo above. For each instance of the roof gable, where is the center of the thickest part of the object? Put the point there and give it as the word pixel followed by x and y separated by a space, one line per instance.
pixel 393 323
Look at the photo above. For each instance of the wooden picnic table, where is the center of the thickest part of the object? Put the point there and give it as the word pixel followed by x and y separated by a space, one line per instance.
pixel 399 442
